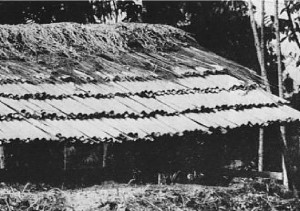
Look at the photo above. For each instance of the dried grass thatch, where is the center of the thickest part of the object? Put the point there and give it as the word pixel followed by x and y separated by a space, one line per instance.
pixel 85 53
pixel 26 42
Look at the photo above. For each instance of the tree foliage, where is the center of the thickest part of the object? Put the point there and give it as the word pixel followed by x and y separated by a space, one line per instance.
pixel 221 26
pixel 65 11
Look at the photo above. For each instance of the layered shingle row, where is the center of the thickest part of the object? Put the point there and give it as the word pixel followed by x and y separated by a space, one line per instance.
pixel 125 116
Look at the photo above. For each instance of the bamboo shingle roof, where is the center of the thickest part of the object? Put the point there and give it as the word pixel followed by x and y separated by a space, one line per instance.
pixel 124 82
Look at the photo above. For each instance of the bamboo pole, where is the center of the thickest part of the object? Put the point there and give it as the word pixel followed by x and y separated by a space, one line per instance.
pixel 278 51
pixel 104 160
pixel 283 163
pixel 262 44
pixel 159 179
pixel 2 157
pixel 64 175
pixel 280 94
pixel 285 180
pixel 260 150
pixel 262 52
pixel 299 146
pixel 261 60
pixel 65 158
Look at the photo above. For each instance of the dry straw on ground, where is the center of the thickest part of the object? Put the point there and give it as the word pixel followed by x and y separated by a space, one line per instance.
pixel 248 195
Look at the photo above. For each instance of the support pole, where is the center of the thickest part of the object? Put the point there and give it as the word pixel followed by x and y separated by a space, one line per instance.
pixel 261 150
pixel 285 181
pixel 65 158
pixel 104 160
pixel 283 163
pixel 298 146
pixel 159 179
pixel 2 157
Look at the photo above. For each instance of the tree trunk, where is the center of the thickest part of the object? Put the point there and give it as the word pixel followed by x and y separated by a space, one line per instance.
pixel 261 59
pixel 258 48
pixel 278 51
pixel 262 54
pixel 262 45
pixel 280 94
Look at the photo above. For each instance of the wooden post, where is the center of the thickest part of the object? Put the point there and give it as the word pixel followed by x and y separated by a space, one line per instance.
pixel 298 146
pixel 283 160
pixel 285 181
pixel 105 146
pixel 159 179
pixel 261 149
pixel 65 158
pixel 2 157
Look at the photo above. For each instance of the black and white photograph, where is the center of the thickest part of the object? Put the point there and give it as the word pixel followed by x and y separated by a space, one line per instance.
pixel 138 105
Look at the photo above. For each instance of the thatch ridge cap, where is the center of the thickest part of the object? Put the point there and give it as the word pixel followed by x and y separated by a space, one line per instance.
pixel 26 32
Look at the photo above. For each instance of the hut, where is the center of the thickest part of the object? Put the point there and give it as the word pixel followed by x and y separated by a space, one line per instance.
pixel 68 84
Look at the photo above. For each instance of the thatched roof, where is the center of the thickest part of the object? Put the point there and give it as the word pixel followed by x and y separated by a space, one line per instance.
pixel 95 83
